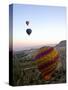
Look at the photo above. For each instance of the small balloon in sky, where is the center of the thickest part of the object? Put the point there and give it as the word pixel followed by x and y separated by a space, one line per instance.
pixel 27 23
pixel 28 31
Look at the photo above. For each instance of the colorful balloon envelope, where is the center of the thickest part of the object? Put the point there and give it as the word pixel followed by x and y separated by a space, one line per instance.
pixel 47 60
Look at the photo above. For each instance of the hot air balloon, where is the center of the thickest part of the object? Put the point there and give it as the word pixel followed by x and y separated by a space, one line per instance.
pixel 27 23
pixel 47 60
pixel 29 31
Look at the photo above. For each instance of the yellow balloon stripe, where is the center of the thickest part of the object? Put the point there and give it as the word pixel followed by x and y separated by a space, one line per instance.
pixel 47 57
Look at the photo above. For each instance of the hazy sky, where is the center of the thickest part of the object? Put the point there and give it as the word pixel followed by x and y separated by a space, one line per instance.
pixel 48 24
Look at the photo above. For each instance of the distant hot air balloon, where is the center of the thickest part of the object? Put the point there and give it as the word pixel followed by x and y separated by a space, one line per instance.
pixel 27 23
pixel 29 31
pixel 47 61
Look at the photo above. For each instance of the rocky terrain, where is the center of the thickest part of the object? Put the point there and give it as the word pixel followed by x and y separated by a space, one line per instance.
pixel 27 73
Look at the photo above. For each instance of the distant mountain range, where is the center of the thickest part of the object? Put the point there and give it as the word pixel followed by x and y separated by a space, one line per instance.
pixel 61 44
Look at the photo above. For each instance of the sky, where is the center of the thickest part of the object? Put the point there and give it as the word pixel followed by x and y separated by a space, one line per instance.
pixel 48 24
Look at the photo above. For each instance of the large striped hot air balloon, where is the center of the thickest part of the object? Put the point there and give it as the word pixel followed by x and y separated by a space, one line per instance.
pixel 47 60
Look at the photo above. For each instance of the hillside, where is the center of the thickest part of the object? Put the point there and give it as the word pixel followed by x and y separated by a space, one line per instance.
pixel 26 73
pixel 61 44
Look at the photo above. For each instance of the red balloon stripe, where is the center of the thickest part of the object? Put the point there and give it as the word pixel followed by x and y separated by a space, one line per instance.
pixel 48 63
pixel 48 68
pixel 48 72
